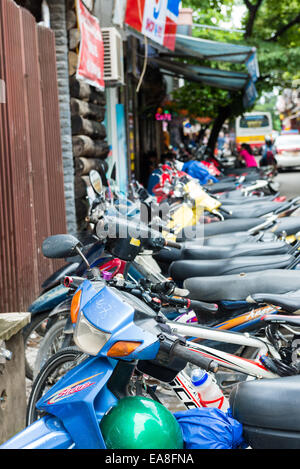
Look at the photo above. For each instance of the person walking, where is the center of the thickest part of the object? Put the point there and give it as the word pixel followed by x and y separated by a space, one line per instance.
pixel 268 154
pixel 247 156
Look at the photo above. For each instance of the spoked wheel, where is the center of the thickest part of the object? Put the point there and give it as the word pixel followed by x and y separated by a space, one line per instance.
pixel 33 334
pixel 54 340
pixel 53 370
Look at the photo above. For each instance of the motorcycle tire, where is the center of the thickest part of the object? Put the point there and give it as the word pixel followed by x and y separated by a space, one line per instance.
pixel 53 370
pixel 53 341
pixel 32 335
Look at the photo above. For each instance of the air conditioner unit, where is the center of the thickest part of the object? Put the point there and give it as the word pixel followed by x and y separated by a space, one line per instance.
pixel 113 57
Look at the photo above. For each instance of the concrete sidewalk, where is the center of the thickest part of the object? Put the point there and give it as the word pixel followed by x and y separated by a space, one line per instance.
pixel 289 183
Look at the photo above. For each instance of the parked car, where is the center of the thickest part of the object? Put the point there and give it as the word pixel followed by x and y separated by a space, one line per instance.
pixel 288 150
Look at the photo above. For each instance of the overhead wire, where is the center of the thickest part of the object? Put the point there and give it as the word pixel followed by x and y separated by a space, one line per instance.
pixel 146 52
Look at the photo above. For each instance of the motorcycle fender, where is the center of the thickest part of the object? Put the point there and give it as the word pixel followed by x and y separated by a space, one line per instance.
pixel 45 433
pixel 80 399
pixel 48 300
pixel 62 308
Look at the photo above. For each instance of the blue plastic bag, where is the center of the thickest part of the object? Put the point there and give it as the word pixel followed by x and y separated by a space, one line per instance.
pixel 210 428
pixel 153 180
pixel 198 171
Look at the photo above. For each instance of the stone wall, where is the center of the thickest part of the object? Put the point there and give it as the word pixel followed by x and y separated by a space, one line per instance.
pixel 87 105
pixel 58 25
pixel 12 375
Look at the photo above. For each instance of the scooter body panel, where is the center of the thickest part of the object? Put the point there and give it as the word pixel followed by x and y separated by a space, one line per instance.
pixel 48 300
pixel 80 399
pixel 46 433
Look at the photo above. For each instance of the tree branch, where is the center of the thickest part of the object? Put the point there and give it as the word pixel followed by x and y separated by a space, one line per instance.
pixel 248 4
pixel 253 10
pixel 285 28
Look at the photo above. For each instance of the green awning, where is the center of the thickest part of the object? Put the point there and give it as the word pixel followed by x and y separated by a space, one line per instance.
pixel 224 79
pixel 188 46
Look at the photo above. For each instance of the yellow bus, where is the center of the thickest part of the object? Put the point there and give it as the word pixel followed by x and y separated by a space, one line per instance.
pixel 252 128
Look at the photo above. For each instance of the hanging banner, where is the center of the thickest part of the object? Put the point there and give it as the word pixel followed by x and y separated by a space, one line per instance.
pixel 253 68
pixel 156 19
pixel 91 54
pixel 250 95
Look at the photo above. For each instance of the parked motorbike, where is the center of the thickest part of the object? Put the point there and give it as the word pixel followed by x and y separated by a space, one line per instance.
pixel 53 305
pixel 113 343
pixel 232 315
pixel 115 329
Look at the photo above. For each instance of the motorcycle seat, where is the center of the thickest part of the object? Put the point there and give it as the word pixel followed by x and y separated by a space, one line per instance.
pixel 291 225
pixel 242 171
pixel 272 404
pixel 282 319
pixel 239 287
pixel 221 187
pixel 192 251
pixel 231 183
pixel 257 209
pixel 240 237
pixel 184 269
pixel 219 228
pixel 290 301
pixel 244 249
pixel 245 200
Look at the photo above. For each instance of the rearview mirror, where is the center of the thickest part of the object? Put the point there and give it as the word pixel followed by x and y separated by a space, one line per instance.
pixel 96 181
pixel 60 246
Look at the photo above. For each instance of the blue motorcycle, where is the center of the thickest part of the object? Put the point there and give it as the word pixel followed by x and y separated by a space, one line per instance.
pixel 91 406
pixel 114 331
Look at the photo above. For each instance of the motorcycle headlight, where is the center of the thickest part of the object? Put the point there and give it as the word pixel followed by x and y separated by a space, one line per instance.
pixel 88 338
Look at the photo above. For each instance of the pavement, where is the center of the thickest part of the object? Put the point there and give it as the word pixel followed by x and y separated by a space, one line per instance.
pixel 289 183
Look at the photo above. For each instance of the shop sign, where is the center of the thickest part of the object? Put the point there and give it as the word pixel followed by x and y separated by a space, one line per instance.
pixel 91 54
pixel 163 117
pixel 156 19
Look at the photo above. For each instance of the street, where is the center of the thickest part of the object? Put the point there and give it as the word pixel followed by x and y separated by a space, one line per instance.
pixel 289 183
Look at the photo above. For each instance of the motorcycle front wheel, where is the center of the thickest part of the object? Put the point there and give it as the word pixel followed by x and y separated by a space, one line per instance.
pixel 54 340
pixel 52 371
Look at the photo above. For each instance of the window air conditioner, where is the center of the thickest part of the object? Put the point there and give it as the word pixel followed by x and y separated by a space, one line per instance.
pixel 113 57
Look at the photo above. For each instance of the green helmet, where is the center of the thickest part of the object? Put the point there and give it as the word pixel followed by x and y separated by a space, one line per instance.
pixel 140 423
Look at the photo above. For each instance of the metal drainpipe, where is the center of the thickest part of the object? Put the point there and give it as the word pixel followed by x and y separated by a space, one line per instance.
pixel 45 14
pixel 57 10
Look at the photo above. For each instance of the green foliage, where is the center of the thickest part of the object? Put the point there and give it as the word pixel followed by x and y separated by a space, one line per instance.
pixel 278 49
pixel 273 27
pixel 270 106
pixel 272 17
pixel 200 101
pixel 276 35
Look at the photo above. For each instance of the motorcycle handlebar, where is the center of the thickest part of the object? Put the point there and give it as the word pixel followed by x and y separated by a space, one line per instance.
pixel 172 244
pixel 73 282
pixel 224 210
pixel 195 357
pixel 197 306
pixel 287 206
pixel 200 306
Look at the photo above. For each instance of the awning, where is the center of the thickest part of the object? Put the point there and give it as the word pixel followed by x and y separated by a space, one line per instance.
pixel 188 46
pixel 224 79
pixel 202 49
